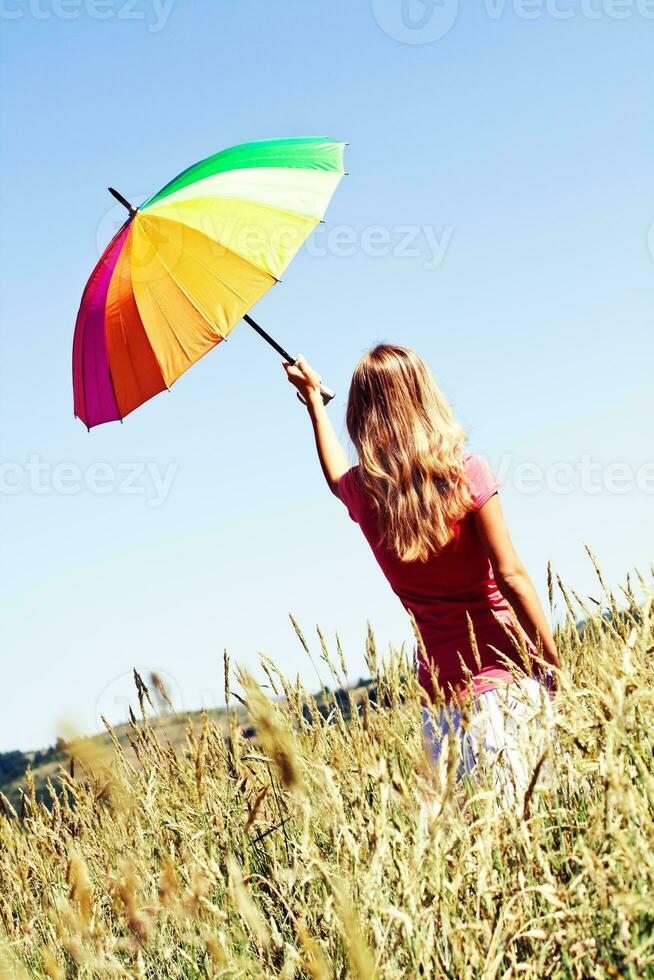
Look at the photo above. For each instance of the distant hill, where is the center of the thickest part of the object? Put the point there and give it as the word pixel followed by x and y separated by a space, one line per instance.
pixel 171 726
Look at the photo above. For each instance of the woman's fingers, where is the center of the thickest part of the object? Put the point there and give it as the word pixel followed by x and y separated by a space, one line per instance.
pixel 306 369
pixel 292 372
pixel 301 375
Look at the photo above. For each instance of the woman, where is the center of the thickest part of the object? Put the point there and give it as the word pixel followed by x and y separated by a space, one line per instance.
pixel 432 517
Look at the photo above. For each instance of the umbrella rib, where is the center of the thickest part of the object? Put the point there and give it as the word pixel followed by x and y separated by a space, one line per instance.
pixel 243 197
pixel 121 318
pixel 128 351
pixel 215 241
pixel 172 329
pixel 195 306
pixel 113 388
pixel 111 376
pixel 267 207
pixel 236 200
pixel 215 275
pixel 121 321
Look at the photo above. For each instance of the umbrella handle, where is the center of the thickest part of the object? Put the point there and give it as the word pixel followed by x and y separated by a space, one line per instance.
pixel 327 393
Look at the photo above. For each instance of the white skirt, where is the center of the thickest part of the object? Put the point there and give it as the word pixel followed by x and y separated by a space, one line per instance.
pixel 507 731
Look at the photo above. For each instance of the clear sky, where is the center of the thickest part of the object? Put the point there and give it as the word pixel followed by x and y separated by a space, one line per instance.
pixel 496 217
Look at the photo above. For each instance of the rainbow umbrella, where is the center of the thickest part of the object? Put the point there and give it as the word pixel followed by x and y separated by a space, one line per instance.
pixel 189 263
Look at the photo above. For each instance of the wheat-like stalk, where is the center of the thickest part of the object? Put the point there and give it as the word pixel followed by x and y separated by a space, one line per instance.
pixel 328 846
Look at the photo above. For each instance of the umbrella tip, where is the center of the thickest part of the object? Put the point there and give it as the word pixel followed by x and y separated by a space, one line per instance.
pixel 123 200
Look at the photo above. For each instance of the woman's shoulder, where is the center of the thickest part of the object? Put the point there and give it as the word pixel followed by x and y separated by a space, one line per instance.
pixel 483 482
pixel 348 491
pixel 350 477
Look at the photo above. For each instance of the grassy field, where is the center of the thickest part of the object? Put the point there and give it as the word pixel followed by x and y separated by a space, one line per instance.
pixel 327 846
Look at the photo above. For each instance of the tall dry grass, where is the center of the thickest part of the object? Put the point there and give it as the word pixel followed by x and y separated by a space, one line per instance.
pixel 332 849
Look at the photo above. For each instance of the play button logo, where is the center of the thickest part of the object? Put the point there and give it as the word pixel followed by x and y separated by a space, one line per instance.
pixel 415 21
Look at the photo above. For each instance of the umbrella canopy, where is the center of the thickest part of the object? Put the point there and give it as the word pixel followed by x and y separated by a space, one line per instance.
pixel 189 263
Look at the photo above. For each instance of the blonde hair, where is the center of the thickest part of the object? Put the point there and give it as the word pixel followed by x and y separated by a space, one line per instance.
pixel 410 451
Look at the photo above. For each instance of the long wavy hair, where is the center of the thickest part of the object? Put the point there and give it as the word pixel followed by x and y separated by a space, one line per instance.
pixel 410 451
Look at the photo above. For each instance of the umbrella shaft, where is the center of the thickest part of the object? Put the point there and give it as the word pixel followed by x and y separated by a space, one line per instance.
pixel 269 339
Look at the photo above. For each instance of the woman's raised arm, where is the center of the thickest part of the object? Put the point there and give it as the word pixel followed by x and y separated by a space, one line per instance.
pixel 332 456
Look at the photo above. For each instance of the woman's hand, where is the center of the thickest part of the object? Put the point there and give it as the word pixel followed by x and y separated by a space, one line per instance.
pixel 304 378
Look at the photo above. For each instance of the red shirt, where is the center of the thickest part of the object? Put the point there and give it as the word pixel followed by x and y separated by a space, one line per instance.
pixel 440 591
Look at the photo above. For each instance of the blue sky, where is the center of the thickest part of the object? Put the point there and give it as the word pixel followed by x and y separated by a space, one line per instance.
pixel 496 217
